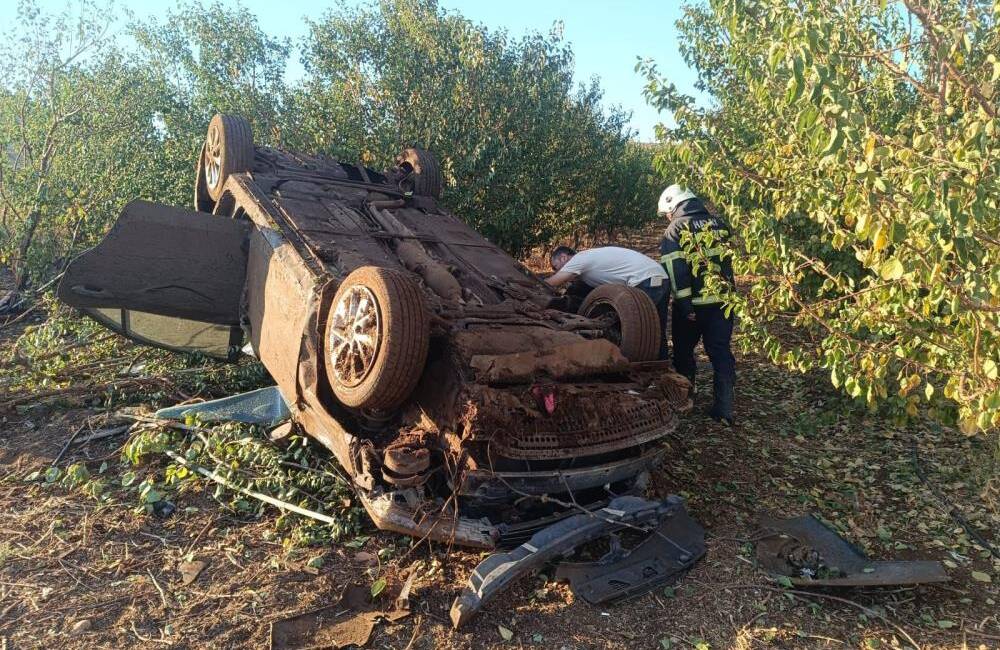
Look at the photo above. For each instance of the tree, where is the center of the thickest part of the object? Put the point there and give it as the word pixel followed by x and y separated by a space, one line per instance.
pixel 42 103
pixel 854 147
pixel 527 156
pixel 88 124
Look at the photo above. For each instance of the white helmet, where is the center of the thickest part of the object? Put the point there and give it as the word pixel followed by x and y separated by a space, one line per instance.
pixel 671 198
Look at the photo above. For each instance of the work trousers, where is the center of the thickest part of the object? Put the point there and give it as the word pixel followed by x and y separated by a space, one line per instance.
pixel 715 330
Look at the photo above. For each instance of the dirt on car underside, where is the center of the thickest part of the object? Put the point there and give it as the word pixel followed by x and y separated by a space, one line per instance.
pixel 457 389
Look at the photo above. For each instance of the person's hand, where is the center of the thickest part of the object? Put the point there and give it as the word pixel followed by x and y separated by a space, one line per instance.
pixel 691 317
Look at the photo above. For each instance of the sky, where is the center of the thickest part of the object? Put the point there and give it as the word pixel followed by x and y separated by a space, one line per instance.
pixel 606 36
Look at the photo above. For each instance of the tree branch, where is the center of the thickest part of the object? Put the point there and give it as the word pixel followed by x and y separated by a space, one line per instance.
pixel 929 23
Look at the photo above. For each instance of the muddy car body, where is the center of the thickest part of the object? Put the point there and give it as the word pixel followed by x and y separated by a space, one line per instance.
pixel 454 386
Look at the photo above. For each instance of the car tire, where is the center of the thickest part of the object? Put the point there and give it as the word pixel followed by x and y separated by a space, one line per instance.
pixel 228 150
pixel 638 324
pixel 202 201
pixel 375 351
pixel 423 172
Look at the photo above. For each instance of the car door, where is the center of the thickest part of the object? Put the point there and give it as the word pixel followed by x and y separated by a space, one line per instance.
pixel 166 277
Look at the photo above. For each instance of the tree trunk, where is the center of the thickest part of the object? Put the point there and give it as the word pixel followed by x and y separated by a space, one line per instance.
pixel 21 261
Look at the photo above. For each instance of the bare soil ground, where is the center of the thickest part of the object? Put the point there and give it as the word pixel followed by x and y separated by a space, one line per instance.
pixel 80 572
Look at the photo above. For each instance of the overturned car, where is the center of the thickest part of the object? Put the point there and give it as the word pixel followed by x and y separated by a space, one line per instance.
pixel 467 400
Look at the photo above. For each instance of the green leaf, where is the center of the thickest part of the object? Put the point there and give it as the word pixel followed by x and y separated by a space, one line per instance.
pixel 149 494
pixel 833 144
pixel 796 83
pixel 945 624
pixel 784 581
pixel 981 577
pixel 357 542
pixel 990 369
pixel 378 587
pixel 505 633
pixel 891 269
pixel 794 90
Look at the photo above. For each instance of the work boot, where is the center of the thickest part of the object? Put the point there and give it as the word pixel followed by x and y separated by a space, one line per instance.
pixel 723 390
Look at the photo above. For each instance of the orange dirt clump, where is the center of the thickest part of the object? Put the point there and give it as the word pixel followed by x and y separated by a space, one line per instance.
pixel 580 359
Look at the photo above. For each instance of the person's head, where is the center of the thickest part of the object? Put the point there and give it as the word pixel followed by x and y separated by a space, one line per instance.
pixel 671 198
pixel 559 256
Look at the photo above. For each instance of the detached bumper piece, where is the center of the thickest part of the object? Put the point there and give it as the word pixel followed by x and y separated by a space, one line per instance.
pixel 640 570
pixel 661 559
pixel 808 553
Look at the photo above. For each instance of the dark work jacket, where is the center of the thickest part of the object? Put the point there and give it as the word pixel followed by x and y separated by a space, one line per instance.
pixel 685 285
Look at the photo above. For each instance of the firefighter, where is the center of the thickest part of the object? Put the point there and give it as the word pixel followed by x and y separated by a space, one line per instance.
pixel 697 316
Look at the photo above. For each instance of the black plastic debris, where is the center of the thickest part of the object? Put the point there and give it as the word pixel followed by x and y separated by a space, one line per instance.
pixel 164 509
pixel 499 571
pixel 809 553
pixel 661 559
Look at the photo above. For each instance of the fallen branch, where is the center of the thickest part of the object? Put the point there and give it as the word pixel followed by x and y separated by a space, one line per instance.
pixel 69 442
pixel 74 390
pixel 106 433
pixel 207 473
pixel 159 589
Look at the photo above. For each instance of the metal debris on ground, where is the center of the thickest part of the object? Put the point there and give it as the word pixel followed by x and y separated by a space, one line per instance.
pixel 349 622
pixel 264 406
pixel 500 570
pixel 809 553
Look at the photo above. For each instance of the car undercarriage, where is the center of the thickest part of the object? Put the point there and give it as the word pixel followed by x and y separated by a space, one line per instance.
pixel 464 397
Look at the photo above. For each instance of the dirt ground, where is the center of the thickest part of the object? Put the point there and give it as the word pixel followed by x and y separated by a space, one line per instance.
pixel 78 572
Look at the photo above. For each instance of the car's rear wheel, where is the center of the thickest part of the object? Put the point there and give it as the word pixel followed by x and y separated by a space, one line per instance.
pixel 633 324
pixel 228 150
pixel 422 172
pixel 377 335
pixel 202 201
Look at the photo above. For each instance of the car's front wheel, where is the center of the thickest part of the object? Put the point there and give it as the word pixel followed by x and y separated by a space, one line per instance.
pixel 376 338
pixel 632 322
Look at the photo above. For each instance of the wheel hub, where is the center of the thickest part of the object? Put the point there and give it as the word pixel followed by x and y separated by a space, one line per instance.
pixel 606 314
pixel 354 335
pixel 213 157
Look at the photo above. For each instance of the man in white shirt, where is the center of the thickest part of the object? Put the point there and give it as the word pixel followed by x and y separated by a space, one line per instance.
pixel 614 265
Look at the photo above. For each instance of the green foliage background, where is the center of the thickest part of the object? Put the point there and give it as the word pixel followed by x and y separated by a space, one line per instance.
pixel 855 147
pixel 87 123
